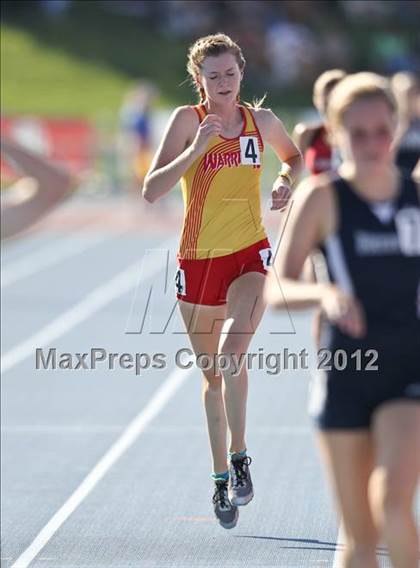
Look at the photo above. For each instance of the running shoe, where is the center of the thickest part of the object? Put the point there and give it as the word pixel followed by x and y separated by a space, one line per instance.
pixel 240 489
pixel 226 513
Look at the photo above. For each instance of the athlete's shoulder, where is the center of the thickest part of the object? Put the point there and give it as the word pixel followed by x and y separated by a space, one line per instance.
pixel 416 174
pixel 183 123
pixel 263 116
pixel 270 126
pixel 307 128
pixel 317 188
pixel 185 113
pixel 323 180
pixel 304 134
pixel 315 199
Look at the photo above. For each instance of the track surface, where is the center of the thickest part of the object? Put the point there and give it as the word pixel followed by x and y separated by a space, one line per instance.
pixel 150 507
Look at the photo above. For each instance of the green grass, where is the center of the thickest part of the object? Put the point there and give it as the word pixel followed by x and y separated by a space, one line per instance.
pixel 41 80
pixel 83 64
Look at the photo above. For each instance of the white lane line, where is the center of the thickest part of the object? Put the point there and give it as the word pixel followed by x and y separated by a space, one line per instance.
pixel 61 429
pixel 47 256
pixel 338 561
pixel 92 303
pixel 170 429
pixel 127 438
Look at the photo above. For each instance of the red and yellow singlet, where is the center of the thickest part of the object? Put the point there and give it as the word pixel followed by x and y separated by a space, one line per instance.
pixel 221 192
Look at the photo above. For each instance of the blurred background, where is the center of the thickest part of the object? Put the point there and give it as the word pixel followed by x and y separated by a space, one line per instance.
pixel 91 84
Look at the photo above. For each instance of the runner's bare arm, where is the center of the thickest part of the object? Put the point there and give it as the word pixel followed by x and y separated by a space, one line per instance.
pixel 309 219
pixel 183 142
pixel 302 135
pixel 44 186
pixel 416 175
pixel 273 132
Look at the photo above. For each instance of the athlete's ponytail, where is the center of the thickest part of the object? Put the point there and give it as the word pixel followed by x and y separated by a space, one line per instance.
pixel 211 46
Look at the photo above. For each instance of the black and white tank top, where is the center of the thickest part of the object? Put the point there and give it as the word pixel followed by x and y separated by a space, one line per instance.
pixel 375 255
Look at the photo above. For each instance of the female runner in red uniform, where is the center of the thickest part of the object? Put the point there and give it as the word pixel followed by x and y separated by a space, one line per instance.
pixel 312 139
pixel 216 149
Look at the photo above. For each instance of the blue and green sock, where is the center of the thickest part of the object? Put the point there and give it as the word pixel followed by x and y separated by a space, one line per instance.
pixel 224 476
pixel 238 454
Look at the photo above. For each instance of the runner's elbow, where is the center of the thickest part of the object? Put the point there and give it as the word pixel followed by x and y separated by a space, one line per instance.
pixel 148 193
pixel 272 297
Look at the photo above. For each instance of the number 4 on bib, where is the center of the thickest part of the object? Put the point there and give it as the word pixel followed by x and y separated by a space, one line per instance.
pixel 266 256
pixel 180 282
pixel 250 151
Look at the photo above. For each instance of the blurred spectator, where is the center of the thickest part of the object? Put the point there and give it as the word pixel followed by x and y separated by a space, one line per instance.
pixel 406 88
pixel 362 10
pixel 55 8
pixel 286 44
pixel 184 18
pixel 291 49
pixel 289 43
pixel 138 8
pixel 136 140
pixel 391 52
pixel 335 49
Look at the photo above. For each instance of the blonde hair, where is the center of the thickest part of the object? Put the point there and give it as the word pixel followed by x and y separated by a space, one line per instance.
pixel 212 46
pixel 357 87
pixel 326 82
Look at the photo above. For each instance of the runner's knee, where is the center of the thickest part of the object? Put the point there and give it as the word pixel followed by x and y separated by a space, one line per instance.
pixel 233 344
pixel 212 383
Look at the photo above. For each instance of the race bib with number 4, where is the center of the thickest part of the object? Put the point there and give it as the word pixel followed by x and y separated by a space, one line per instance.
pixel 250 151
pixel 266 256
pixel 180 284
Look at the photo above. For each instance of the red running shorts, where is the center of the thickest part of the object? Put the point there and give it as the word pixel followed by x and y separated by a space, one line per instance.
pixel 206 281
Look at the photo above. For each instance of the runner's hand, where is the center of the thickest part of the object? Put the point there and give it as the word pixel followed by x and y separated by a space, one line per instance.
pixel 344 310
pixel 209 127
pixel 280 194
